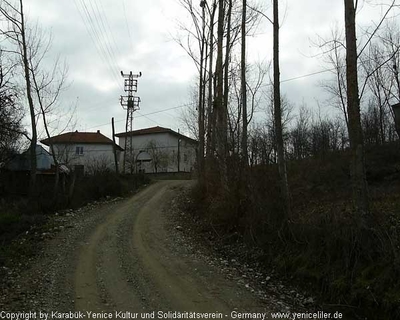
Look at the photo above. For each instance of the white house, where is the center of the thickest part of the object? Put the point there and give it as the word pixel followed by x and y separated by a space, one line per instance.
pixel 86 152
pixel 157 149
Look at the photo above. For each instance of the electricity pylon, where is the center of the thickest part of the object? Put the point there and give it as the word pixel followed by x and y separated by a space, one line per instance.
pixel 130 103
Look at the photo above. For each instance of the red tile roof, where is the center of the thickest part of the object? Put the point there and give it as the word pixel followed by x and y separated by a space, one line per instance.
pixel 144 131
pixel 153 130
pixel 79 138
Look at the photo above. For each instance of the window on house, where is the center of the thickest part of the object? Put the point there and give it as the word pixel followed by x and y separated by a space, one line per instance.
pixel 79 151
pixel 185 157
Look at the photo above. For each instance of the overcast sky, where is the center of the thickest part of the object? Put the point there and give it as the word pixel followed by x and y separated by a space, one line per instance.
pixel 139 36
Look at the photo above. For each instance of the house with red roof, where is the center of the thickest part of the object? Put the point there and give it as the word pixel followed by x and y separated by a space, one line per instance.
pixel 87 152
pixel 157 149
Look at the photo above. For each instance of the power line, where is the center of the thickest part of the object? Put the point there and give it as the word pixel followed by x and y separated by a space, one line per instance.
pixel 266 85
pixel 173 108
pixel 89 25
pixel 143 115
pixel 308 75
pixel 109 28
pixel 100 104
pixel 107 49
pixel 322 71
pixel 110 48
pixel 103 49
pixel 127 25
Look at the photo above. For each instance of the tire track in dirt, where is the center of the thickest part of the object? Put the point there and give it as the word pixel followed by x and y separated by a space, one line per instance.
pixel 130 263
pixel 100 284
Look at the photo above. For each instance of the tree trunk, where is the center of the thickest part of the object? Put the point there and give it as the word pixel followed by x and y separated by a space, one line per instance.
pixel 33 165
pixel 46 128
pixel 201 102
pixel 226 82
pixel 243 87
pixel 220 110
pixel 227 53
pixel 210 113
pixel 56 164
pixel 358 175
pixel 278 118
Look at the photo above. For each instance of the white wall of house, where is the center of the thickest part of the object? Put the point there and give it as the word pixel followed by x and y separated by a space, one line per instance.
pixel 165 147
pixel 92 156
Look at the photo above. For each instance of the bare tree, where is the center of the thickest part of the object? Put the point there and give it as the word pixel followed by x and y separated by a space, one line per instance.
pixel 16 33
pixel 48 86
pixel 300 134
pixel 278 117
pixel 287 117
pixel 189 120
pixel 333 51
pixel 358 174
pixel 243 86
pixel 261 145
pixel 11 114
pixel 254 82
pixel 380 65
pixel 98 165
pixel 219 108
pixel 158 155
pixel 391 41
pixel 380 85
pixel 202 88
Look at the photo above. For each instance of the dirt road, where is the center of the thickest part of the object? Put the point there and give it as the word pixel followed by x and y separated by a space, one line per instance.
pixel 124 258
pixel 130 262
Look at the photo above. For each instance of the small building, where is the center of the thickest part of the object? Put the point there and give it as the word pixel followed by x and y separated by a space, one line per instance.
pixel 157 149
pixel 84 152
pixel 15 175
pixel 22 162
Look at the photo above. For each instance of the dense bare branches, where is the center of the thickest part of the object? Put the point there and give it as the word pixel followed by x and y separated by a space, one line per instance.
pixel 16 33
pixel 30 46
pixel 333 53
pixel 11 114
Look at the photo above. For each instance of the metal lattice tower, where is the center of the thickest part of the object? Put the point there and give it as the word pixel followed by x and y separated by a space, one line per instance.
pixel 130 103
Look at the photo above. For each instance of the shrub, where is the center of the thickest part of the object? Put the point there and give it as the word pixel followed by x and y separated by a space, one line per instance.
pixel 322 245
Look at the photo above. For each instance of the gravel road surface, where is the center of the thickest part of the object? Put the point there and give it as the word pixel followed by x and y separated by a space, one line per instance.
pixel 121 260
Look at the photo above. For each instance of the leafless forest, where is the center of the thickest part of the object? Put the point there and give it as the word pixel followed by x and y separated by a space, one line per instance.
pixel 318 194
pixel 314 195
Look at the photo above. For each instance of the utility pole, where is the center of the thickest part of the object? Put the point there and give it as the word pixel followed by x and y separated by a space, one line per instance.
pixel 114 146
pixel 179 150
pixel 130 103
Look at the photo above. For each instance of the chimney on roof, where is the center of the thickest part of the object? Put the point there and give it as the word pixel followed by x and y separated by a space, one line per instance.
pixel 98 131
pixel 76 130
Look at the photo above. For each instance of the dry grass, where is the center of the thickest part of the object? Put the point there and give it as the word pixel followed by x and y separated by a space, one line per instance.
pixel 321 247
